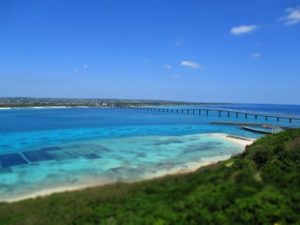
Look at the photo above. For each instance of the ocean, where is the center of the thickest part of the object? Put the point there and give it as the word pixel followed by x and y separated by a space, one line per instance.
pixel 66 148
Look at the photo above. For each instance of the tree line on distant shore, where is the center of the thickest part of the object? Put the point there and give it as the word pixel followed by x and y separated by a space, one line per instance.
pixel 73 102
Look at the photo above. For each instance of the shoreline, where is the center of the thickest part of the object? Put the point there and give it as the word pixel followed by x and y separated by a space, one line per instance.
pixel 187 168
pixel 54 107
pixel 47 107
pixel 236 139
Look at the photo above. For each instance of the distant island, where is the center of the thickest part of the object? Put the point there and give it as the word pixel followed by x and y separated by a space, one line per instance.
pixel 90 102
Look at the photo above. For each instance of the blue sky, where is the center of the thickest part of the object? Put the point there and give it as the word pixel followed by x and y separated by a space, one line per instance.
pixel 220 51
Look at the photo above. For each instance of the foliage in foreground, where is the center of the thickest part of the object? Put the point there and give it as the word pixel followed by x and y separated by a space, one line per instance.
pixel 260 186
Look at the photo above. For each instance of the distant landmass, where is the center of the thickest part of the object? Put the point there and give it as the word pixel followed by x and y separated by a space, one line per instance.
pixel 91 102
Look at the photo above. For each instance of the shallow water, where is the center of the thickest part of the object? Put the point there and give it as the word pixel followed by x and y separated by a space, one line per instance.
pixel 43 149
pixel 109 160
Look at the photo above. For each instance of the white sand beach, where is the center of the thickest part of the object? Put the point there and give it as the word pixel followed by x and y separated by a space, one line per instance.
pixel 236 139
pixel 187 168
pixel 4 108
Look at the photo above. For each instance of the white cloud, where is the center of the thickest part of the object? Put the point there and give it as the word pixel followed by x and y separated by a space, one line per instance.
pixel 292 17
pixel 176 76
pixel 167 66
pixel 243 29
pixel 190 64
pixel 256 55
pixel 178 42
pixel 81 69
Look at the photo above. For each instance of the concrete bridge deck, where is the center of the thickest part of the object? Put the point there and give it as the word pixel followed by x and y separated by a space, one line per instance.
pixel 220 112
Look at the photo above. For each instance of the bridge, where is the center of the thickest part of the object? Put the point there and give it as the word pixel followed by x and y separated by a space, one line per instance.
pixel 220 113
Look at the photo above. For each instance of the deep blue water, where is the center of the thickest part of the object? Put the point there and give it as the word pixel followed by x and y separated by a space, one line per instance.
pixel 51 148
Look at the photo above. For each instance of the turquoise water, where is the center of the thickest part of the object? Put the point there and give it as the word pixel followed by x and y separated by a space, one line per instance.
pixel 42 149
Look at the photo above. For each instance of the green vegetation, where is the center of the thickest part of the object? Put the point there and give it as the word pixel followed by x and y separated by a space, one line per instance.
pixel 73 102
pixel 260 186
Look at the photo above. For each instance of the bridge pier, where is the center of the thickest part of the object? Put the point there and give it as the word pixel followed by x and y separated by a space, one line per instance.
pixel 218 112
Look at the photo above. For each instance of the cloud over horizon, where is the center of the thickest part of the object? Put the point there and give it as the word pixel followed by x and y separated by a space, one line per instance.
pixel 243 29
pixel 190 64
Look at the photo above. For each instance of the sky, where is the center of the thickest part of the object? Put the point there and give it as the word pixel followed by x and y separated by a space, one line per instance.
pixel 205 51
